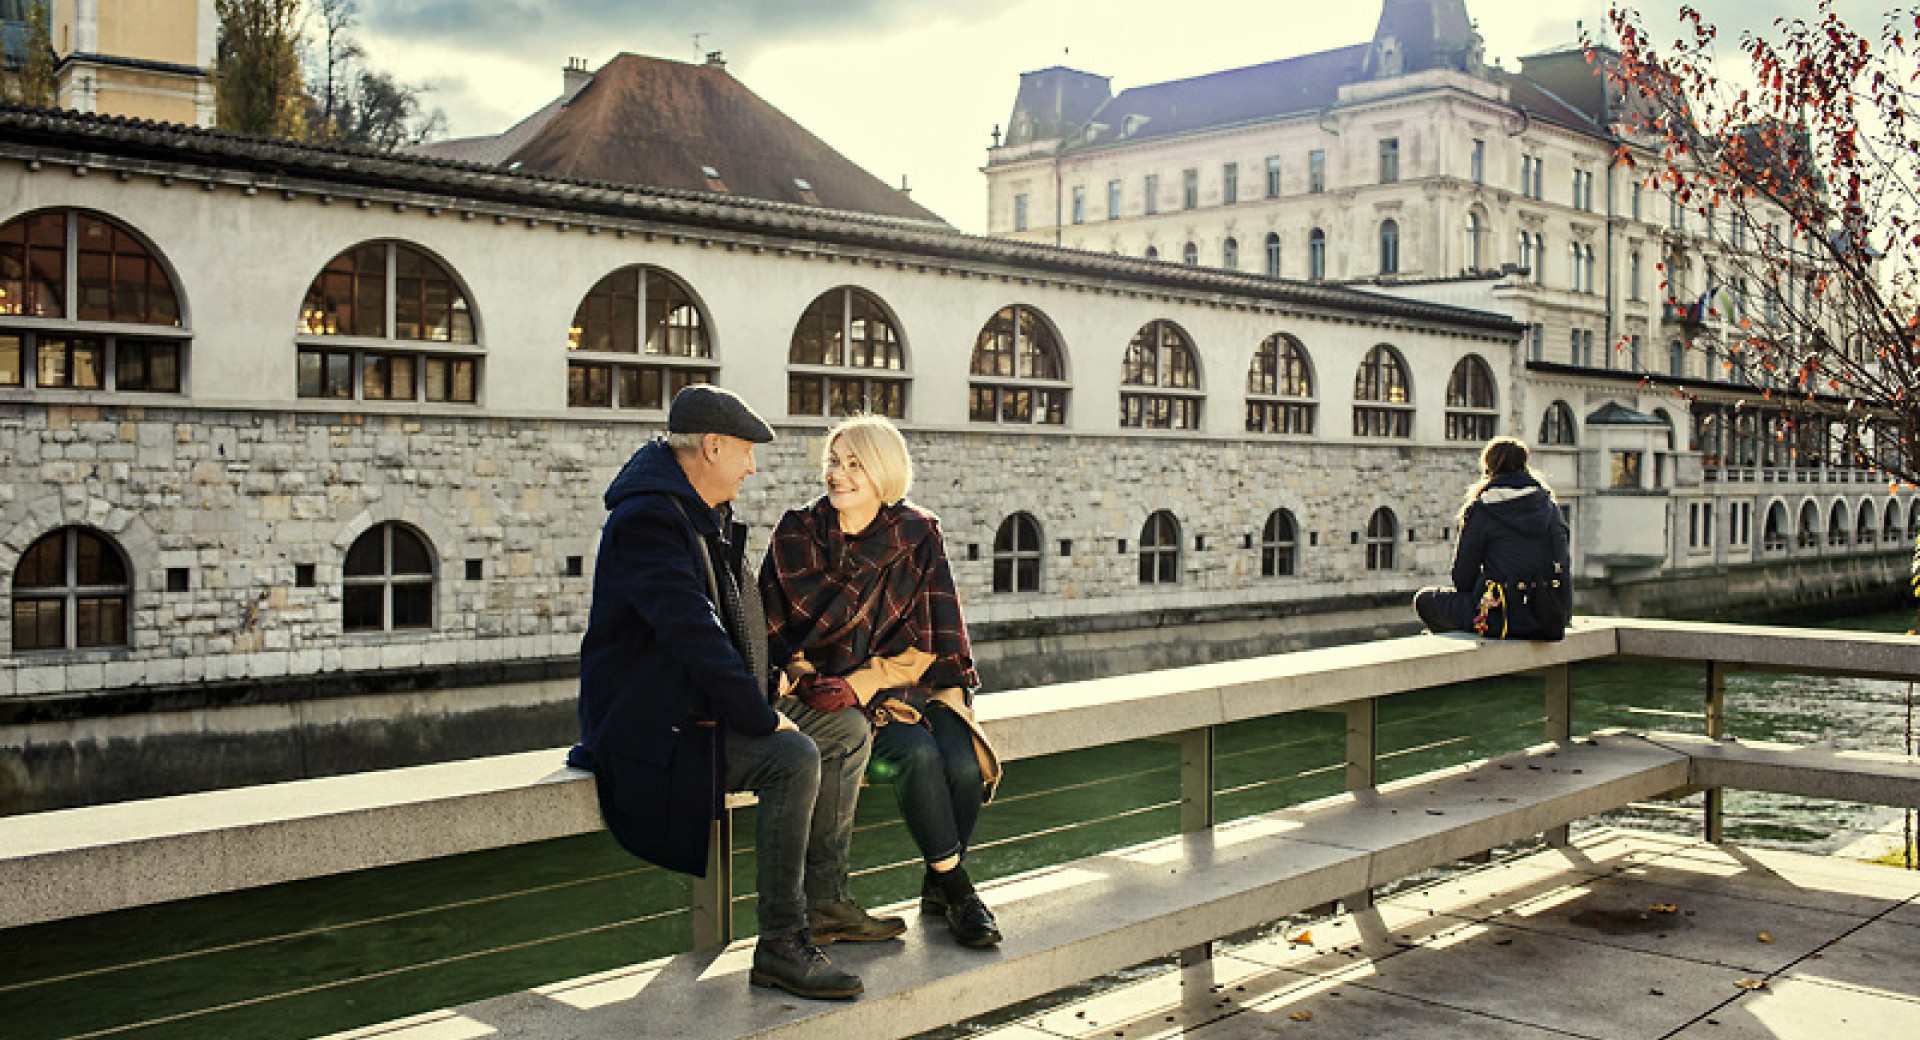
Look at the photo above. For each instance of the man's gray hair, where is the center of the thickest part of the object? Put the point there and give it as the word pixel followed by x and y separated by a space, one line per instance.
pixel 685 443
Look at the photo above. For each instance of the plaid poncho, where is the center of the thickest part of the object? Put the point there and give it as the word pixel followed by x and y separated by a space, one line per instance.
pixel 841 601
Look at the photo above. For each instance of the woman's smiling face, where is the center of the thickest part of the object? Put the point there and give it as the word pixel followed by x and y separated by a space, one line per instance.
pixel 849 487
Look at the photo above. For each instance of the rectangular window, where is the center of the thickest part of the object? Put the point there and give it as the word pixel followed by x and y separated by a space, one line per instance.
pixel 1573 349
pixel 1273 176
pixel 1538 345
pixel 326 374
pixel 1316 171
pixel 11 372
pixel 450 379
pixel 1153 194
pixel 1079 204
pixel 1113 200
pixel 146 365
pixel 1189 189
pixel 1389 160
pixel 1479 163
pixel 1636 200
pixel 1019 212
pixel 73 363
pixel 1626 469
pixel 1230 184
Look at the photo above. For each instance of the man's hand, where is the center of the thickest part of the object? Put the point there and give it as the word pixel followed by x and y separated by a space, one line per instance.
pixel 826 693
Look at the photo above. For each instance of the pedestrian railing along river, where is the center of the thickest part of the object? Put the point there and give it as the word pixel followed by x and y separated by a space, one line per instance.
pixel 1065 922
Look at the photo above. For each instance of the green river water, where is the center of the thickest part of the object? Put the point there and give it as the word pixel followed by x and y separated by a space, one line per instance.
pixel 319 957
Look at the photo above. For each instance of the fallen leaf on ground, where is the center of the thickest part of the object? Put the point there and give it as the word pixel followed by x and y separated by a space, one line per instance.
pixel 1302 1016
pixel 1663 908
pixel 1303 939
pixel 1765 936
pixel 1752 983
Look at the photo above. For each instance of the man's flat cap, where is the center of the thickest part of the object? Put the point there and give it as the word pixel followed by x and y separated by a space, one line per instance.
pixel 708 409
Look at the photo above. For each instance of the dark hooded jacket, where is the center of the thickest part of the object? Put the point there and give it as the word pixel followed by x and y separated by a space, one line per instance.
pixel 1514 534
pixel 662 666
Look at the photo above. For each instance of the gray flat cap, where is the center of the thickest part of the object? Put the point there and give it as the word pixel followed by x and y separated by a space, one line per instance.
pixel 708 409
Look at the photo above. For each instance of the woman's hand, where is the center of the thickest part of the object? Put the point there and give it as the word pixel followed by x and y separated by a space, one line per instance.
pixel 826 693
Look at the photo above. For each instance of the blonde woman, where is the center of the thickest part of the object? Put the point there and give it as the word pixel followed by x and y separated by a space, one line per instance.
pixel 1512 575
pixel 861 608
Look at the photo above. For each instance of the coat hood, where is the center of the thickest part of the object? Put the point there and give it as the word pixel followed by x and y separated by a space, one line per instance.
pixel 1519 502
pixel 654 470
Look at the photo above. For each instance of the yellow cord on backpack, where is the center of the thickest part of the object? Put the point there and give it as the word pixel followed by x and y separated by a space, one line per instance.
pixel 1494 598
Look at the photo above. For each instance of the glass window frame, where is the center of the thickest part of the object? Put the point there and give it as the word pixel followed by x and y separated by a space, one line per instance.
pixel 449 371
pixel 1017 566
pixel 849 381
pixel 72 596
pixel 390 583
pixel 1280 397
pixel 1006 384
pixel 1160 380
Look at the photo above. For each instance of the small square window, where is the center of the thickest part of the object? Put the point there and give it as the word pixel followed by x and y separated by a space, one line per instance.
pixel 1066 547
pixel 1409 534
pixel 1246 541
pixel 1123 546
pixel 973 550
pixel 1354 538
pixel 475 570
pixel 303 575
pixel 178 579
pixel 1199 543
pixel 576 566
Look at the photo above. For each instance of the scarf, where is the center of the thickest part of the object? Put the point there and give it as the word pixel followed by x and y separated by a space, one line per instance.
pixel 842 600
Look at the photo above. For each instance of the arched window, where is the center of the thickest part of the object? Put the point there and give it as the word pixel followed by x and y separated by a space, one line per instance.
pixel 1316 255
pixel 1280 387
pixel 1230 254
pixel 1773 536
pixel 1273 255
pixel 1383 532
pixel 1837 525
pixel 1865 531
pixel 1383 402
pixel 1016 555
pixel 70 592
pixel 1573 268
pixel 1526 252
pixel 70 282
pixel 1279 545
pixel 846 357
pixel 1557 426
pixel 1389 247
pixel 1470 401
pixel 1475 229
pixel 1890 524
pixel 1589 269
pixel 387 582
pixel 1152 253
pixel 1160 550
pixel 1190 254
pixel 1809 533
pixel 637 338
pixel 1160 357
pixel 1017 370
pixel 391 292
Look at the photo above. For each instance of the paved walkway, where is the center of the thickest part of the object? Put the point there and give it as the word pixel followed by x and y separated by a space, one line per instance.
pixel 1627 935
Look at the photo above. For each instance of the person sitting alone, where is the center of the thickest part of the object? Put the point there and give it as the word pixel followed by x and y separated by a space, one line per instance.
pixel 1512 571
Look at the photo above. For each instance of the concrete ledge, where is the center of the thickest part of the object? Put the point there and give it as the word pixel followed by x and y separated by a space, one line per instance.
pixel 1750 765
pixel 1067 923
pixel 1802 651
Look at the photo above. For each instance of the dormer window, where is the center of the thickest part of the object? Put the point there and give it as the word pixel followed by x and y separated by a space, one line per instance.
pixel 802 183
pixel 709 173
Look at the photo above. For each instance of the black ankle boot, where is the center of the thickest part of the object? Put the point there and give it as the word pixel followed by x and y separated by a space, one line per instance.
pixel 933 901
pixel 968 918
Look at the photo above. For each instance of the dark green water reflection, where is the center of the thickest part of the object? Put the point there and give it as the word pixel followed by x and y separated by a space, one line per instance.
pixel 319 957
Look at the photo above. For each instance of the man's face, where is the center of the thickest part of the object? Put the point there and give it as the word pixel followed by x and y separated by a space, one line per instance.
pixel 731 465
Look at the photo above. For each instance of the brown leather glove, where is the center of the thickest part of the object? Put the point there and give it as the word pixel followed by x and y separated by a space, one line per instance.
pixel 826 693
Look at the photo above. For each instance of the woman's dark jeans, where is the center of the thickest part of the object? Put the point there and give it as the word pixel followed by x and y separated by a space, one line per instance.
pixel 936 779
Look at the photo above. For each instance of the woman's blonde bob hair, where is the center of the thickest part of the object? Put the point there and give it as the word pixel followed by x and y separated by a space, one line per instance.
pixel 882 452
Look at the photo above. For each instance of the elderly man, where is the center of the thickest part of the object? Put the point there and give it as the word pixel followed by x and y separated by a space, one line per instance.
pixel 674 706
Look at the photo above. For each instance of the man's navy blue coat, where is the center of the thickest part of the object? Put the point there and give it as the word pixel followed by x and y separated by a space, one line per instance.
pixel 656 661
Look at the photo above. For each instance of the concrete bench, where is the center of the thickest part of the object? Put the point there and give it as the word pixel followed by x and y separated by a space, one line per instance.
pixel 1081 919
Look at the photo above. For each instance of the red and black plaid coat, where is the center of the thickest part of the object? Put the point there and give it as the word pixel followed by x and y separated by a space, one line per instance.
pixel 841 601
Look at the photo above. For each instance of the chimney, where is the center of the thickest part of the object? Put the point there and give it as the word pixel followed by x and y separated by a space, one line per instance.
pixel 715 60
pixel 574 79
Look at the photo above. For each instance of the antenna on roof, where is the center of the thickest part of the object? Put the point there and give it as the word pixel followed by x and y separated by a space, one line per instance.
pixel 697 37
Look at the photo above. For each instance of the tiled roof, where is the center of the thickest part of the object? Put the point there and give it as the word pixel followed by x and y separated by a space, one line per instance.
pixel 493 149
pixel 173 149
pixel 1258 92
pixel 663 123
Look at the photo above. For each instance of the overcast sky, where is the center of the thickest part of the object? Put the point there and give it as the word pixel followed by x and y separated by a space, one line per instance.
pixel 909 90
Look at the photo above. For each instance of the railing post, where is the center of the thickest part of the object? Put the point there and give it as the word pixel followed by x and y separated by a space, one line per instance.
pixel 1716 730
pixel 1196 807
pixel 711 897
pixel 1559 728
pixel 1363 725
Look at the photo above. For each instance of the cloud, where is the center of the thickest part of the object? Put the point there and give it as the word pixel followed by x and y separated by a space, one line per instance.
pixel 525 27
